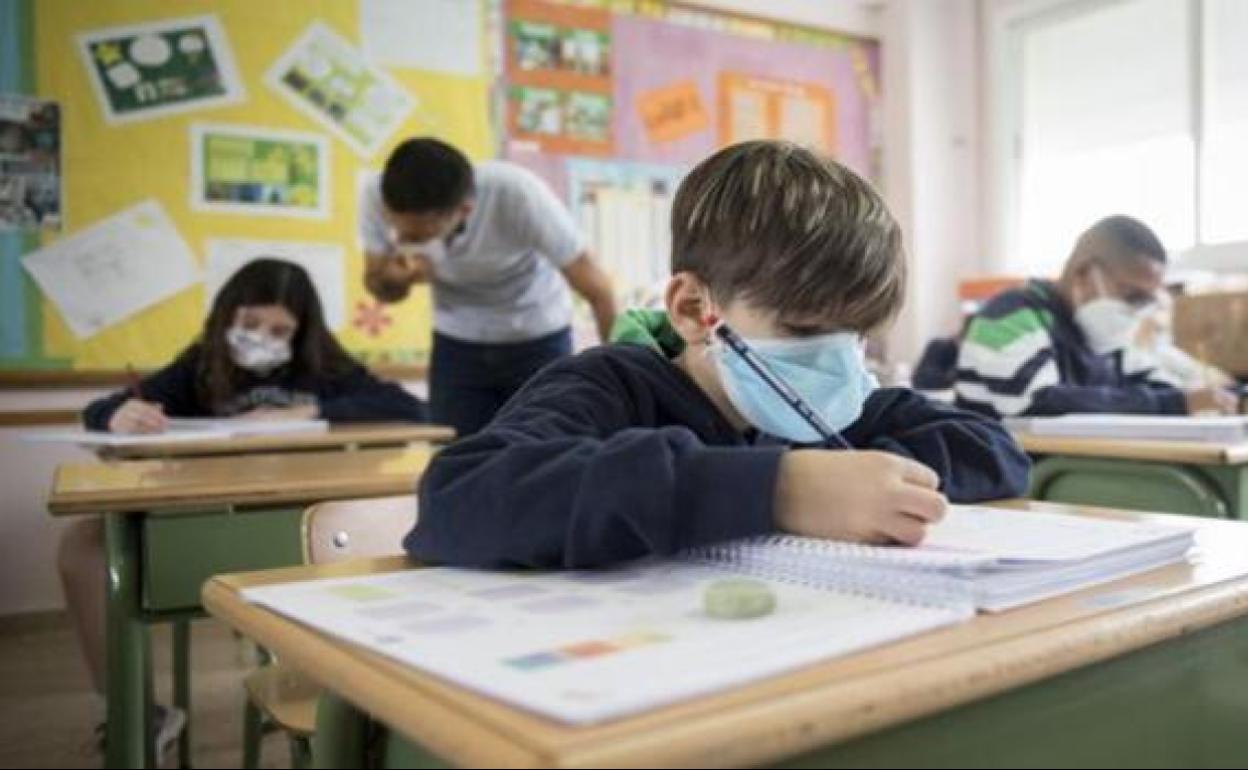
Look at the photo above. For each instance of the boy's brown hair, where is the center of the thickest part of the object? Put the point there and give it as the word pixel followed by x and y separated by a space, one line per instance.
pixel 787 231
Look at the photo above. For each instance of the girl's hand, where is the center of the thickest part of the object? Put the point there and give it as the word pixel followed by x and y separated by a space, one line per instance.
pixel 138 416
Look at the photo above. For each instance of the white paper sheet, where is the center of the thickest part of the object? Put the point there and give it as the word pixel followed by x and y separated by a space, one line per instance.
pixel 438 35
pixel 102 438
pixel 329 80
pixel 243 426
pixel 114 268
pixel 1222 429
pixel 180 430
pixel 325 263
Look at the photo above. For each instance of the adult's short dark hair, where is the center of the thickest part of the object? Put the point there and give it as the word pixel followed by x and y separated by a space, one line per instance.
pixel 425 175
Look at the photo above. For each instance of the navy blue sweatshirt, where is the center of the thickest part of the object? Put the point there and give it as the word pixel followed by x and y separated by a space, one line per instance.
pixel 354 396
pixel 1024 355
pixel 616 453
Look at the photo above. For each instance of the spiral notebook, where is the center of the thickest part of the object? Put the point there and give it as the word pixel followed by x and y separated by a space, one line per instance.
pixel 588 646
pixel 989 558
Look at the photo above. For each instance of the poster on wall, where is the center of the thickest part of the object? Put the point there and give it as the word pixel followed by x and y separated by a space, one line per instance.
pixel 114 268
pixel 624 210
pixel 259 171
pixel 325 263
pixel 672 112
pixel 329 80
pixel 683 82
pixel 559 77
pixel 448 38
pixel 30 164
pixel 150 70
pixel 752 107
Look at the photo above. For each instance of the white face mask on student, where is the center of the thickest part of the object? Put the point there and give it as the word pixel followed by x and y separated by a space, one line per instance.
pixel 1109 323
pixel 256 351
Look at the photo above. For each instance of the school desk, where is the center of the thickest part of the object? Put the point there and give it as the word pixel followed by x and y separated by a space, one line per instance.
pixel 1148 670
pixel 172 523
pixel 344 437
pixel 1203 479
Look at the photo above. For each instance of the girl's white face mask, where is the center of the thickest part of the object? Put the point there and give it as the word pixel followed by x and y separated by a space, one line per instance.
pixel 257 351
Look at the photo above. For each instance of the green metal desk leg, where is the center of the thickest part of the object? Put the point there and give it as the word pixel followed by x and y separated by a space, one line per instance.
pixel 1232 481
pixel 182 685
pixel 341 734
pixel 1129 484
pixel 129 647
pixel 403 753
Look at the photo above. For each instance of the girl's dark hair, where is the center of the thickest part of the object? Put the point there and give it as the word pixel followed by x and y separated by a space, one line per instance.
pixel 315 353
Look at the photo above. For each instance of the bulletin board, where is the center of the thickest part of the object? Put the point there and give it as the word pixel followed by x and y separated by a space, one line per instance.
pixel 115 156
pixel 612 103
pixel 199 133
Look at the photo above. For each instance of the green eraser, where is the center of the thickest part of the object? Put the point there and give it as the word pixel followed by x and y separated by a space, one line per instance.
pixel 738 599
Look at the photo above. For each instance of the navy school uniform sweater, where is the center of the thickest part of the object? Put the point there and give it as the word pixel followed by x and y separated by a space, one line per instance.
pixel 1024 355
pixel 355 395
pixel 616 453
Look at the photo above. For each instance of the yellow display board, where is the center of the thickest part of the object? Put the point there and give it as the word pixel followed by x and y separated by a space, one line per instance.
pixel 111 166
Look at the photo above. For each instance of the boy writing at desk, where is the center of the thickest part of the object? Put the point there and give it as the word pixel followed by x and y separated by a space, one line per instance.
pixel 635 449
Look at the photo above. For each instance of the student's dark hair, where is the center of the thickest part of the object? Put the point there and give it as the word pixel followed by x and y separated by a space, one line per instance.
pixel 1122 238
pixel 315 353
pixel 788 231
pixel 425 175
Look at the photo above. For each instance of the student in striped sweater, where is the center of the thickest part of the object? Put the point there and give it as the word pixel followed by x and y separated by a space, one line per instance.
pixel 1062 347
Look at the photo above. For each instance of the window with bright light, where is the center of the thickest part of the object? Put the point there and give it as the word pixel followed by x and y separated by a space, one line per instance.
pixel 1135 107
pixel 1224 213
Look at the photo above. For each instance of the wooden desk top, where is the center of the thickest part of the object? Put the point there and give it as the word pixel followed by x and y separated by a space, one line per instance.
pixel 153 486
pixel 344 436
pixel 1185 452
pixel 784 715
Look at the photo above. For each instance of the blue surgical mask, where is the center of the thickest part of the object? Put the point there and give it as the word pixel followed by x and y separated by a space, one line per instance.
pixel 828 371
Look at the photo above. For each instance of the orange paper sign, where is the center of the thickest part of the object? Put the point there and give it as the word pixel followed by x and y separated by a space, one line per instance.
pixel 672 112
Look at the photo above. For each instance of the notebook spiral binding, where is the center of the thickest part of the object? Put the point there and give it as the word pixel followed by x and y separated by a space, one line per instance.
pixel 869 571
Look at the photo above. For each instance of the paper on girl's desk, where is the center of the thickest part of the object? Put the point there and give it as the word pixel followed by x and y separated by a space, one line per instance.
pixel 180 430
pixel 102 438
pixel 243 426
pixel 114 268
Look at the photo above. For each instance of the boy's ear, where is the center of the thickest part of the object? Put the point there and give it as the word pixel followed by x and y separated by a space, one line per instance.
pixel 688 307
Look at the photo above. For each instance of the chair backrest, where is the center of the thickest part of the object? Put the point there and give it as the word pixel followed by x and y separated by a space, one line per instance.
pixel 352 529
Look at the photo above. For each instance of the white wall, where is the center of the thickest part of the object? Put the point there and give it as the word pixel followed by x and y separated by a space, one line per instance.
pixel 932 148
